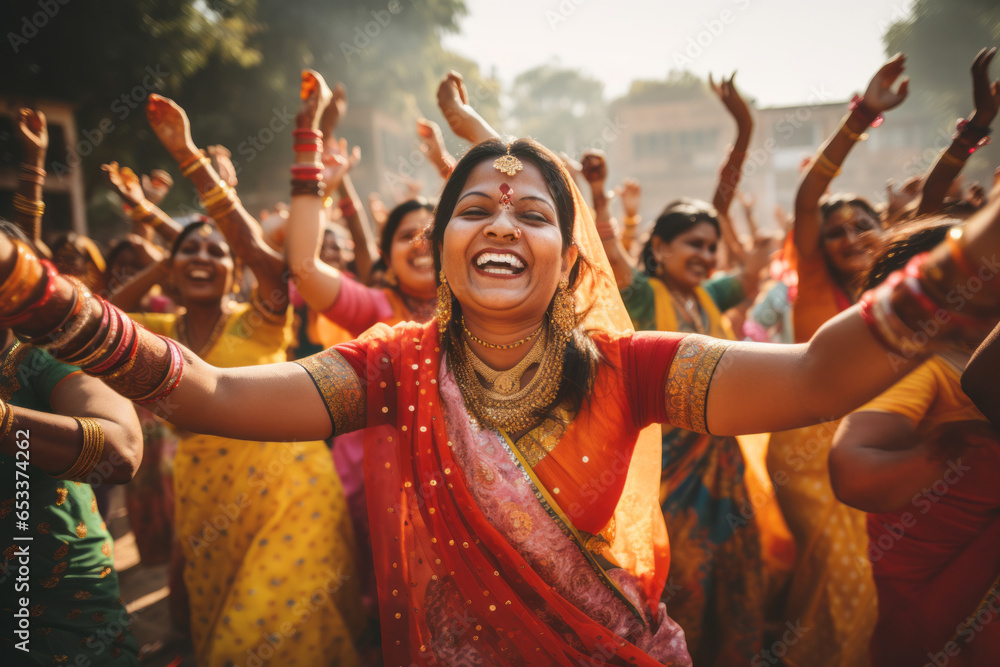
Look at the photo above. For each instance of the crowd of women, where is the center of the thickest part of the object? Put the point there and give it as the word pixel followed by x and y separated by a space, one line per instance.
pixel 499 426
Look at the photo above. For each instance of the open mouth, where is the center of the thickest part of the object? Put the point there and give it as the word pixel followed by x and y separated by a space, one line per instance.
pixel 200 275
pixel 422 262
pixel 499 263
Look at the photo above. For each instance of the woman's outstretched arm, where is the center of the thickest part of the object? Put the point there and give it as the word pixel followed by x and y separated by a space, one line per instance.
pixel 758 387
pixel 270 402
pixel 462 118
pixel 879 97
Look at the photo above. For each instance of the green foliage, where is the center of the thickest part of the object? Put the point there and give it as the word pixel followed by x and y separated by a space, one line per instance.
pixel 679 86
pixel 940 39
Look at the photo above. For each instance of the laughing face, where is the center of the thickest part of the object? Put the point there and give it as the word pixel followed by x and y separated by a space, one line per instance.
pixel 688 259
pixel 410 256
pixel 845 239
pixel 202 267
pixel 504 259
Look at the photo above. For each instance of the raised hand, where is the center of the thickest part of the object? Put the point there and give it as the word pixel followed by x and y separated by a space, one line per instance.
pixel 730 97
pixel 156 185
pixel 880 95
pixel 337 161
pixel 171 126
pixel 985 94
pixel 334 111
pixel 432 144
pixel 220 157
pixel 631 193
pixel 316 97
pixel 33 132
pixel 124 181
pixel 453 100
pixel 594 168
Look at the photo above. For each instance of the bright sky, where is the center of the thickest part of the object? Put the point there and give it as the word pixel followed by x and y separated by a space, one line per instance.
pixel 786 51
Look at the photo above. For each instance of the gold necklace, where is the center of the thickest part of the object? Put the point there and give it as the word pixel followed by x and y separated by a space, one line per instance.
pixel 506 382
pixel 516 411
pixel 500 346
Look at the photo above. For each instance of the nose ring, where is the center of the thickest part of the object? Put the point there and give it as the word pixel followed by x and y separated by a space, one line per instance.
pixel 517 233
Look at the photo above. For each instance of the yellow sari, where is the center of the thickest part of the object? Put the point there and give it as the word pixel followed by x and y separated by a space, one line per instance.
pixel 264 528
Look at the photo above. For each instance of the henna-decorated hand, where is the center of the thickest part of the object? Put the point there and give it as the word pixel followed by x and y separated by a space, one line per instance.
pixel 220 157
pixel 171 126
pixel 337 161
pixel 880 95
pixel 34 134
pixel 730 97
pixel 316 96
pixel 631 193
pixel 453 100
pixel 334 111
pixel 594 168
pixel 124 181
pixel 985 94
pixel 432 141
pixel 156 185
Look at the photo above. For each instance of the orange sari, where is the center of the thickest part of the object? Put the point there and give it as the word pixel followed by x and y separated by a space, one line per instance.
pixel 454 581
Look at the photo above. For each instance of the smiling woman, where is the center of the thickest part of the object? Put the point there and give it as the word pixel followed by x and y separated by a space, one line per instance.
pixel 511 523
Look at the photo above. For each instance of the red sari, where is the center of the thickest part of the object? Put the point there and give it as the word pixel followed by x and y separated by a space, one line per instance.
pixel 449 577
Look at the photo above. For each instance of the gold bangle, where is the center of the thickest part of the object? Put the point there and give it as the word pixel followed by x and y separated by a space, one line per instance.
pixel 948 158
pixel 7 421
pixel 826 165
pixel 216 195
pixel 91 451
pixel 633 220
pixel 28 206
pixel 853 135
pixel 219 212
pixel 200 162
pixel 191 160
pixel 22 281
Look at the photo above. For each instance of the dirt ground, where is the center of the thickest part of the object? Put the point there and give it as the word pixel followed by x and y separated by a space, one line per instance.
pixel 145 590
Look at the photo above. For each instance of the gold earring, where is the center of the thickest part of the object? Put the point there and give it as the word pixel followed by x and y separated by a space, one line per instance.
pixel 443 304
pixel 563 311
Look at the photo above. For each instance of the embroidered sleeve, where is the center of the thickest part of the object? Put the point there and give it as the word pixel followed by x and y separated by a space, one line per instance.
pixel 340 387
pixel 688 380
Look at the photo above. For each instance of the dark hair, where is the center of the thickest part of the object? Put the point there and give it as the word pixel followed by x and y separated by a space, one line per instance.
pixel 392 223
pixel 678 217
pixel 899 244
pixel 581 357
pixel 834 203
pixel 190 227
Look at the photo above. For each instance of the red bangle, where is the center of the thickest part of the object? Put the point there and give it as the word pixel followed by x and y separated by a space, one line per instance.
pixel 307 133
pixel 858 104
pixel 50 288
pixel 308 148
pixel 868 317
pixel 125 343
pixel 169 381
pixel 307 169
pixel 347 209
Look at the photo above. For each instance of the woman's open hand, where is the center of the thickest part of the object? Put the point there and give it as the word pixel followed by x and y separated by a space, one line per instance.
pixel 34 133
pixel 124 181
pixel 730 97
pixel 880 95
pixel 316 97
pixel 985 94
pixel 171 125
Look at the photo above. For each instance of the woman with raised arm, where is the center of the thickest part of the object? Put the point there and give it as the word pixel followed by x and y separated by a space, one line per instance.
pixel 29 207
pixel 923 462
pixel 513 507
pixel 717 581
pixel 831 588
pixel 60 432
pixel 149 219
pixel 268 548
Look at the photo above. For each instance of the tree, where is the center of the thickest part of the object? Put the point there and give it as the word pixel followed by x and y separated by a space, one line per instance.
pixel 561 107
pixel 940 39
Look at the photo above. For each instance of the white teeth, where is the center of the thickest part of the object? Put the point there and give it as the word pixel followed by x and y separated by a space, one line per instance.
pixel 199 274
pixel 422 262
pixel 505 258
pixel 500 270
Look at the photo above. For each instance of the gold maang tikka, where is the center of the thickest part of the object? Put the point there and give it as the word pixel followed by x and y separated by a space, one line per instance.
pixel 508 164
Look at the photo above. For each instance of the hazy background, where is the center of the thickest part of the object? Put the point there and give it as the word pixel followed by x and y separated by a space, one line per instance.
pixel 557 70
